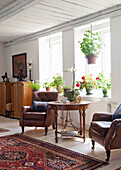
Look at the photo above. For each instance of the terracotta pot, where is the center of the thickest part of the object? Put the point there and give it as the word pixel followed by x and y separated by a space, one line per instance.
pixel 91 59
pixel 59 88
pixel 48 88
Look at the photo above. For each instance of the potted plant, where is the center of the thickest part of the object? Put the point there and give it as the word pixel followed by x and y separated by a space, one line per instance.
pixel 35 85
pixel 104 83
pixel 58 82
pixel 88 83
pixel 90 46
pixel 47 85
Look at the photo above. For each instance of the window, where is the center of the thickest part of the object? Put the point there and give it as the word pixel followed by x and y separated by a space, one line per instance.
pixel 103 62
pixel 50 56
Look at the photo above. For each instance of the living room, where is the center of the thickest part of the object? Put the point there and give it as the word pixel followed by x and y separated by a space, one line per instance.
pixel 15 41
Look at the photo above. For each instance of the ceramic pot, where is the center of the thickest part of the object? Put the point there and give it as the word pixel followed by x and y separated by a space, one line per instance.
pixel 65 92
pixel 88 91
pixel 105 91
pixel 48 88
pixel 70 95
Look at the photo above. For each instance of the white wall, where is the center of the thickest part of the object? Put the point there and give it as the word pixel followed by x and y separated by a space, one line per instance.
pixel 2 61
pixel 32 50
pixel 116 58
pixel 68 54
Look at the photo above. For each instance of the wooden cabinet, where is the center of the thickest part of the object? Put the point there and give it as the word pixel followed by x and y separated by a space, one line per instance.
pixel 5 95
pixel 21 96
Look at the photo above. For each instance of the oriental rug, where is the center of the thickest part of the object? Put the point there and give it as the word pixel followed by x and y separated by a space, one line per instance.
pixel 22 152
pixel 3 130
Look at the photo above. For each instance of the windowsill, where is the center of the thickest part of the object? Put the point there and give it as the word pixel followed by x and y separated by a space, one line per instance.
pixel 96 95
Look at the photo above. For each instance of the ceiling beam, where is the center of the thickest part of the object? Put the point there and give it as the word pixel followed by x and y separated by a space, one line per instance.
pixel 16 7
pixel 110 12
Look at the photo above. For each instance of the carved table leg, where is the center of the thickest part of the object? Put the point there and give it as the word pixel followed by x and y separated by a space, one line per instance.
pixel 80 111
pixel 84 123
pixel 56 129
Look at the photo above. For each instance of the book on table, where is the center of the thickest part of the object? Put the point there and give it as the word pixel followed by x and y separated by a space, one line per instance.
pixel 69 133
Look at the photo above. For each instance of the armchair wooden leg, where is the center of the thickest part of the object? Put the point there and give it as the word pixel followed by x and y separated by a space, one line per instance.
pixel 46 130
pixel 93 144
pixel 53 125
pixel 22 129
pixel 108 154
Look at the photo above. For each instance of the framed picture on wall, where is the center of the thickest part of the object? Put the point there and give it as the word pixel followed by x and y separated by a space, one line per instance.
pixel 19 65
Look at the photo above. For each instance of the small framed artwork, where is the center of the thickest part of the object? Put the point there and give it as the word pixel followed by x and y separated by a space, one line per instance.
pixel 19 65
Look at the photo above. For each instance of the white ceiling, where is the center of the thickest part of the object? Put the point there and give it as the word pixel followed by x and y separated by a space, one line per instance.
pixel 19 18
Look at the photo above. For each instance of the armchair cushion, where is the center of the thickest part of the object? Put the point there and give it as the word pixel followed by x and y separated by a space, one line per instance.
pixel 35 116
pixel 101 127
pixel 117 113
pixel 39 106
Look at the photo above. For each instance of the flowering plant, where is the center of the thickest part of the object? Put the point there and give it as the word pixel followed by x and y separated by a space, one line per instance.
pixel 34 84
pixel 58 80
pixel 103 82
pixel 87 82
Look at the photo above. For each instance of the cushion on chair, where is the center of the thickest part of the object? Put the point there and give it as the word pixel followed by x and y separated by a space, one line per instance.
pixel 101 127
pixel 117 113
pixel 34 115
pixel 39 106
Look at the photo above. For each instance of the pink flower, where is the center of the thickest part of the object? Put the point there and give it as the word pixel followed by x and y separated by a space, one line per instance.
pixel 77 85
pixel 83 82
pixel 90 74
pixel 97 78
pixel 83 78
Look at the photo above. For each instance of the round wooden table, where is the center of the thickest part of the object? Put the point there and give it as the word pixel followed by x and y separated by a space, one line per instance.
pixel 70 106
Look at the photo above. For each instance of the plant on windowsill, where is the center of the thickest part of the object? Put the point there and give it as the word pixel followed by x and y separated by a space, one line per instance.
pixel 58 83
pixel 88 83
pixel 35 85
pixel 47 85
pixel 104 83
pixel 90 46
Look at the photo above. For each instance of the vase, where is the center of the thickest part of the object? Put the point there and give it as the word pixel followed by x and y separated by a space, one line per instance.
pixel 89 91
pixel 65 92
pixel 70 95
pixel 105 91
pixel 48 88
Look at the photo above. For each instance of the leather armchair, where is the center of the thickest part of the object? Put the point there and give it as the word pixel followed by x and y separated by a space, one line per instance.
pixel 39 119
pixel 106 131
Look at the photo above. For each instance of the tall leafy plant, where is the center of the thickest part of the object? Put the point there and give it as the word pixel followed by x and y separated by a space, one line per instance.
pixel 91 43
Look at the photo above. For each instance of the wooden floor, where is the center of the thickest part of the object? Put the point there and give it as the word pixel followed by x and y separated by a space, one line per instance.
pixel 75 144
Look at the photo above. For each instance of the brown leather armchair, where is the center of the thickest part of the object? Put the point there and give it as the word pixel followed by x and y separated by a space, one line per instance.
pixel 106 131
pixel 39 119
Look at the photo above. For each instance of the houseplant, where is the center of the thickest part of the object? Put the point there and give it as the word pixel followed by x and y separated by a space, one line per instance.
pixel 104 83
pixel 65 89
pixel 35 85
pixel 91 46
pixel 58 82
pixel 47 85
pixel 88 83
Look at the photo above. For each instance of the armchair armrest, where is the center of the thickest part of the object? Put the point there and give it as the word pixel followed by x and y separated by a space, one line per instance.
pixel 102 116
pixel 113 135
pixel 23 110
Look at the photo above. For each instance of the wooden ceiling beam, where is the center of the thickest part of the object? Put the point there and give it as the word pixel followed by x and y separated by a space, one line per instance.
pixel 16 7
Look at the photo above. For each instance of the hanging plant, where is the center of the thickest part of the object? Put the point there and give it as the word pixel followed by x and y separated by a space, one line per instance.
pixel 90 46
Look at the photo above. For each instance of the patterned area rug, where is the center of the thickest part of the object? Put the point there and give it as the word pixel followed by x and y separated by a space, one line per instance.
pixel 3 130
pixel 22 152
